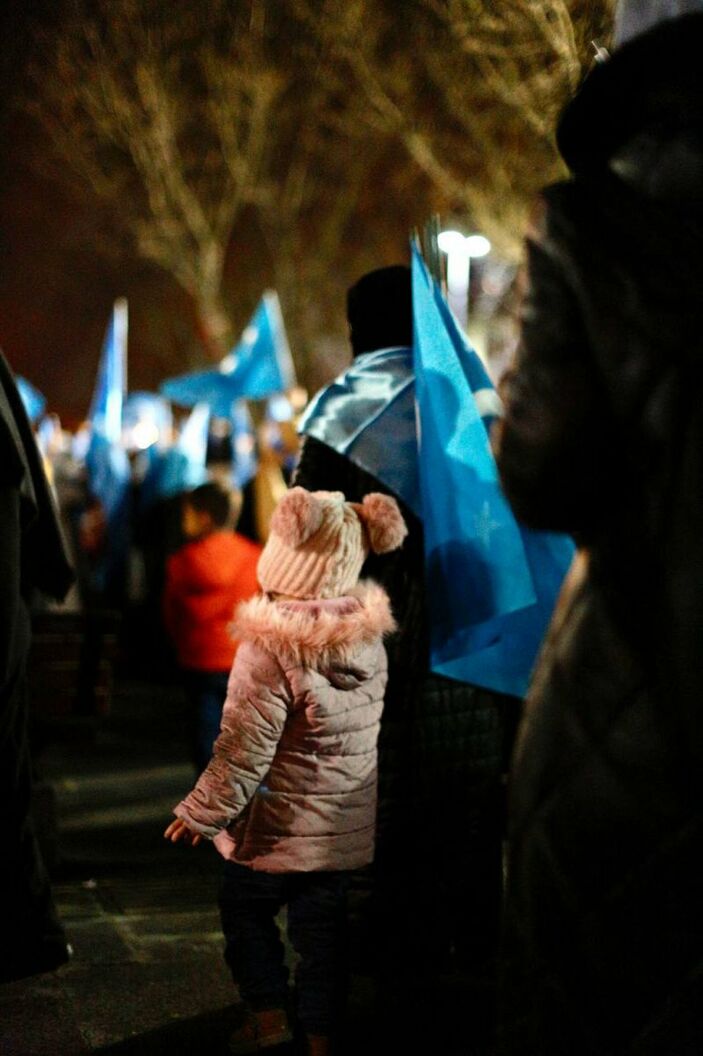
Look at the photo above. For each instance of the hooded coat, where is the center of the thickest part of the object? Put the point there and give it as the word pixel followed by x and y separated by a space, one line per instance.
pixel 292 783
pixel 205 581
pixel 603 438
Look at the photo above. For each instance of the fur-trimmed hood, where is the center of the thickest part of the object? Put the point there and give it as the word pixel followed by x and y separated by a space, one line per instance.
pixel 318 631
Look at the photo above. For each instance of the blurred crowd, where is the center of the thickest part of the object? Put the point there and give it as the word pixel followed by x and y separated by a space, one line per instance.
pixel 341 725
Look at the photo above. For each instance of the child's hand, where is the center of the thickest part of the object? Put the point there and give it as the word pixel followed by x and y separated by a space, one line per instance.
pixel 178 830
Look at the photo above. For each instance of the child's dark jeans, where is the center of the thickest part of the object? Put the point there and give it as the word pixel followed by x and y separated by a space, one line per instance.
pixel 205 692
pixel 317 929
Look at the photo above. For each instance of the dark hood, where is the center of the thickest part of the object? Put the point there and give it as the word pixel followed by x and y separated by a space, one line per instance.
pixel 641 113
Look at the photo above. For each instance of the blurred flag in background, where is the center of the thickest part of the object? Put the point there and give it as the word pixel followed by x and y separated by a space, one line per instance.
pixel 259 366
pixel 107 463
pixel 33 400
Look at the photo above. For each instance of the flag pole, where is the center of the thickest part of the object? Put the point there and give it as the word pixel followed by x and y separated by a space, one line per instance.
pixel 121 331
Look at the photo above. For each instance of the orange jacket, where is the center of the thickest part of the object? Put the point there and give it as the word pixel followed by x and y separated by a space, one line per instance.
pixel 205 581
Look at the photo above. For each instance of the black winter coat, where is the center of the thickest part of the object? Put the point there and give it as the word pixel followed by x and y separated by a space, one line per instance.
pixel 603 437
pixel 31 558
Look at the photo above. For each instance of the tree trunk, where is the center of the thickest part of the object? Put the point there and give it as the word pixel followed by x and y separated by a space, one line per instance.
pixel 214 321
pixel 214 325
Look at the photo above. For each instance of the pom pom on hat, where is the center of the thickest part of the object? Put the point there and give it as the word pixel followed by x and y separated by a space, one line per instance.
pixel 297 516
pixel 318 541
pixel 384 523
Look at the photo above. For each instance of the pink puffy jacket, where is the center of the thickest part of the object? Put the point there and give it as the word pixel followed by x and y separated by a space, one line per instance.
pixel 291 786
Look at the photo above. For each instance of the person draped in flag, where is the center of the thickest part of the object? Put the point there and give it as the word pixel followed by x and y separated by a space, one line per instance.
pixel 603 437
pixel 442 742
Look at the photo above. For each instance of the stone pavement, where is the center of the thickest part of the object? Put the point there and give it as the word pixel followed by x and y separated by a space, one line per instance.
pixel 147 976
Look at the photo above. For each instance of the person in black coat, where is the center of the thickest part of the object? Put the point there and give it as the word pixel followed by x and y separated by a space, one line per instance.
pixel 603 438
pixel 438 875
pixel 32 557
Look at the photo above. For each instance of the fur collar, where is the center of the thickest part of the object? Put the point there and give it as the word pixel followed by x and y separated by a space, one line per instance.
pixel 315 632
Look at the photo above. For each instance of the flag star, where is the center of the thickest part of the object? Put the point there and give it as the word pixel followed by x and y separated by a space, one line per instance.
pixel 485 525
pixel 250 335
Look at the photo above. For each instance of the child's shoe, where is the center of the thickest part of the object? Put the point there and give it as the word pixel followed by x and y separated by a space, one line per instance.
pixel 261 1030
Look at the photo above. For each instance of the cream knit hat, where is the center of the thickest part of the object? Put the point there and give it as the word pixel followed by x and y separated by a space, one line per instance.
pixel 319 542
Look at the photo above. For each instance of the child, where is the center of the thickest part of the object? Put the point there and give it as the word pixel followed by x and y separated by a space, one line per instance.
pixel 205 581
pixel 290 794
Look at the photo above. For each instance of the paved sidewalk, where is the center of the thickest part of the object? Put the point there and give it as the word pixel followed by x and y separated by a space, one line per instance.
pixel 147 976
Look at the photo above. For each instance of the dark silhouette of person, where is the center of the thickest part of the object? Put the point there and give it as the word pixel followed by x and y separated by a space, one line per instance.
pixel 32 558
pixel 603 438
pixel 438 879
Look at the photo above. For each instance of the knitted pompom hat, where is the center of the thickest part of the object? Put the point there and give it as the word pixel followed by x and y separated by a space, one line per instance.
pixel 319 541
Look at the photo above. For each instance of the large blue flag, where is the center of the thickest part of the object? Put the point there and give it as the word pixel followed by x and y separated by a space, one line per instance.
pixel 492 584
pixel 34 401
pixel 258 366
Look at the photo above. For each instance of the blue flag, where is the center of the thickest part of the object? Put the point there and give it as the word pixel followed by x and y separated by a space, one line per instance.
pixel 261 363
pixel 106 460
pixel 244 457
pixel 212 387
pixel 258 366
pixel 493 584
pixel 183 465
pixel 106 409
pixel 147 421
pixel 33 400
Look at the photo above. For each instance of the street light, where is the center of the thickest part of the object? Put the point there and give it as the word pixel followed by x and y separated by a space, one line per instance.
pixel 477 246
pixel 459 250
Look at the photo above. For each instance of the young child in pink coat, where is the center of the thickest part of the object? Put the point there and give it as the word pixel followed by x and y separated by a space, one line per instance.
pixel 289 797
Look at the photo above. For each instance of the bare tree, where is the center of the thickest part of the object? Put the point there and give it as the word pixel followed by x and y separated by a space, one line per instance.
pixel 189 121
pixel 331 126
pixel 473 89
pixel 313 177
pixel 167 119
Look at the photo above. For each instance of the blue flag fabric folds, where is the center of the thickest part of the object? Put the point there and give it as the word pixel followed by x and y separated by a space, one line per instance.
pixel 493 583
pixel 212 387
pixel 372 400
pixel 33 400
pixel 259 366
pixel 183 465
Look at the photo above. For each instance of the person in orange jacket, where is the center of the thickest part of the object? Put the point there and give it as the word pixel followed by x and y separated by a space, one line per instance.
pixel 205 580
